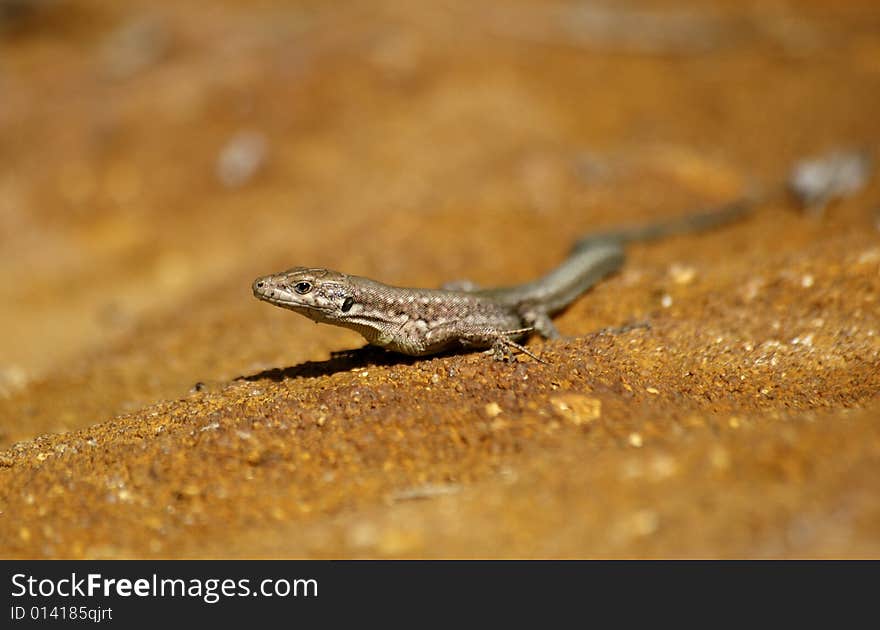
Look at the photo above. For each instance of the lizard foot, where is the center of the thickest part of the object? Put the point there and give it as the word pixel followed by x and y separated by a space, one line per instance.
pixel 503 348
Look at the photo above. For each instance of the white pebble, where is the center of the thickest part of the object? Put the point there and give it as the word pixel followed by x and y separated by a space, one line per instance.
pixel 241 158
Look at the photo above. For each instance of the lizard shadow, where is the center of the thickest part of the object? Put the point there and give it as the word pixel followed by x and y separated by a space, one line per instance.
pixel 344 361
pixel 366 356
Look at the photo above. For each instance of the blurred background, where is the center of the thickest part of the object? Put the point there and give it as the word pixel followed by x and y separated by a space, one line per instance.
pixel 155 157
pixel 151 151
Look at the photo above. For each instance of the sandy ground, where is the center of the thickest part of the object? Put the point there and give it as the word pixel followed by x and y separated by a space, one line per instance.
pixel 156 157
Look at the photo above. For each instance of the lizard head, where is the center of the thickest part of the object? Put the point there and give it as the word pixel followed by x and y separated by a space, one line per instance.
pixel 319 294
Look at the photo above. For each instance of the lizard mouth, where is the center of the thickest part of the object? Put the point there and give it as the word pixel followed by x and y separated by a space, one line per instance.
pixel 290 303
pixel 273 298
pixel 266 290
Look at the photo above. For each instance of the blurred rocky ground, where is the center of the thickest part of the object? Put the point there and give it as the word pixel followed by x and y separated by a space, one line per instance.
pixel 155 157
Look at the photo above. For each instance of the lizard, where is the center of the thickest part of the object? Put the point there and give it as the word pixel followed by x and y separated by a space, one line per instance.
pixel 421 322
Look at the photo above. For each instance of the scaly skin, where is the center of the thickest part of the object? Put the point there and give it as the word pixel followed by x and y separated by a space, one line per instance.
pixel 420 322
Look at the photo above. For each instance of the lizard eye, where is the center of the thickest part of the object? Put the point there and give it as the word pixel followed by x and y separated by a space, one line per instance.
pixel 302 287
pixel 347 304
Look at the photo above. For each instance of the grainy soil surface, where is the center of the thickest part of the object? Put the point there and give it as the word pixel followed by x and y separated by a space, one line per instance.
pixel 717 398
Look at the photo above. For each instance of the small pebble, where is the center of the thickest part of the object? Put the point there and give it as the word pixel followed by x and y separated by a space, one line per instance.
pixel 492 409
pixel 241 159
pixel 682 274
pixel 643 523
pixel 577 408
pixel 819 181
pixel 869 256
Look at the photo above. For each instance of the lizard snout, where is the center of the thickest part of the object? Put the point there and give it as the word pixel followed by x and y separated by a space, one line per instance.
pixel 264 286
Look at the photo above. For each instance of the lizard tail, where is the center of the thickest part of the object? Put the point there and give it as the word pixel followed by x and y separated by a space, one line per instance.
pixel 696 222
